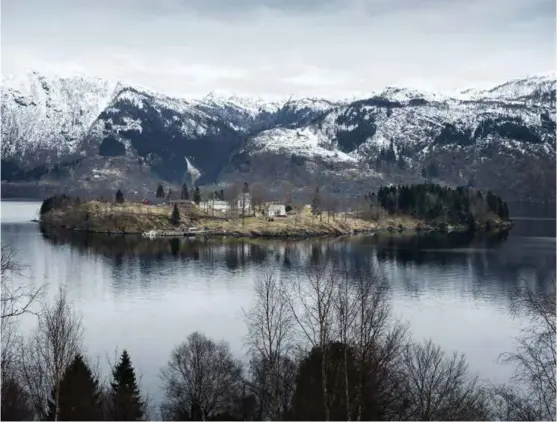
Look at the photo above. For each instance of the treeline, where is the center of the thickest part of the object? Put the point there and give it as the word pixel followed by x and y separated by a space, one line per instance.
pixel 58 202
pixel 323 347
pixel 433 202
pixel 47 376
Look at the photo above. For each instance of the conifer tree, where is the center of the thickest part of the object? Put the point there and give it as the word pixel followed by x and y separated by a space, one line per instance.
pixel 79 395
pixel 127 404
pixel 160 192
pixel 197 195
pixel 185 195
pixel 175 217
pixel 119 197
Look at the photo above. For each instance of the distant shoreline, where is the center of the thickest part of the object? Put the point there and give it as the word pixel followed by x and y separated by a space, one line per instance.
pixel 138 219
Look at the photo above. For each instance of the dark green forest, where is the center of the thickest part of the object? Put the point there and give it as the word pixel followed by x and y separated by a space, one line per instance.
pixel 435 202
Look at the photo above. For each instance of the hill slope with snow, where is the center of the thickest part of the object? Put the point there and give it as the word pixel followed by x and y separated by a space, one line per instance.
pixel 86 134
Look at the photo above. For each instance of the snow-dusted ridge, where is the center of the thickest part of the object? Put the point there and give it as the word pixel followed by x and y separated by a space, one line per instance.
pixel 50 119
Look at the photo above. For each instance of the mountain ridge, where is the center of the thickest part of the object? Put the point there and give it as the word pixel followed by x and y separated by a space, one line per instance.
pixel 91 134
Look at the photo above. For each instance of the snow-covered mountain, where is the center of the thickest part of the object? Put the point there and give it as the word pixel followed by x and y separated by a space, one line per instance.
pixel 88 134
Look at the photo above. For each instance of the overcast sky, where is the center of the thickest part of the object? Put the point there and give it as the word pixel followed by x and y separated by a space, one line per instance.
pixel 334 48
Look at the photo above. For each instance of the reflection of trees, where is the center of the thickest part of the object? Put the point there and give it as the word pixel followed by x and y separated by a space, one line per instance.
pixel 498 264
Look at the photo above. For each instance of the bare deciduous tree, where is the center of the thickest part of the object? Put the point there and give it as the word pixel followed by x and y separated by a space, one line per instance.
pixel 49 351
pixel 286 190
pixel 270 329
pixel 364 323
pixel 312 306
pixel 15 300
pixel 201 379
pixel 439 387
pixel 258 196
pixel 232 194
pixel 535 359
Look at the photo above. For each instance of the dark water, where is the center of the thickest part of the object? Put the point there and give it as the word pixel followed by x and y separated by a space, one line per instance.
pixel 148 295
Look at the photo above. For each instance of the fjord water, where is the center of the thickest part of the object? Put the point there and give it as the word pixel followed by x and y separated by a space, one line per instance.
pixel 147 295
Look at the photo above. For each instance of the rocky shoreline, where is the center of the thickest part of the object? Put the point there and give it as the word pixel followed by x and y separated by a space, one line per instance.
pixel 297 232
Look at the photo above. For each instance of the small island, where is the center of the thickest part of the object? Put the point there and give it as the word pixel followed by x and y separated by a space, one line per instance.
pixel 422 207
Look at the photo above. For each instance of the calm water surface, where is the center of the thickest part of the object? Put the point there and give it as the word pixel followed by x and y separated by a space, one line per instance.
pixel 148 295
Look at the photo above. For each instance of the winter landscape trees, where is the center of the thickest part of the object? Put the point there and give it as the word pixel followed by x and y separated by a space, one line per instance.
pixel 323 346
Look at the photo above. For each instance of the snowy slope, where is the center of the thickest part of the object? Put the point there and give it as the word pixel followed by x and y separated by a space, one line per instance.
pixel 395 133
pixel 536 88
pixel 50 114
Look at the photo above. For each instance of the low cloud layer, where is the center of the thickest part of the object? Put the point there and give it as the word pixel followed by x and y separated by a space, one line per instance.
pixel 276 48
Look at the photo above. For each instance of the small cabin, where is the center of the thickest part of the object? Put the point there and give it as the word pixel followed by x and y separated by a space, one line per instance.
pixel 276 210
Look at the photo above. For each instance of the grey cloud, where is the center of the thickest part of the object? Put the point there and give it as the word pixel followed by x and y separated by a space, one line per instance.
pixel 272 47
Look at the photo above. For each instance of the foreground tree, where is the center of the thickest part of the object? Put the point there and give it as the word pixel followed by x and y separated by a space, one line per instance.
pixel 309 403
pixel 126 403
pixel 201 380
pixel 77 396
pixel 270 331
pixel 439 387
pixel 15 300
pixel 15 404
pixel 49 352
pixel 535 360
pixel 312 307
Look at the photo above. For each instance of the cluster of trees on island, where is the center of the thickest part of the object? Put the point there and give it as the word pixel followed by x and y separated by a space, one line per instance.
pixel 323 347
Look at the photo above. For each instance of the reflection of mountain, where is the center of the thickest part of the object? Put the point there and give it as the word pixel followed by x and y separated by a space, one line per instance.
pixel 495 264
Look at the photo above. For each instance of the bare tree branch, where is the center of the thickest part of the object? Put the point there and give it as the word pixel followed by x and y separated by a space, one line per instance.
pixel 15 301
pixel 49 351
pixel 270 330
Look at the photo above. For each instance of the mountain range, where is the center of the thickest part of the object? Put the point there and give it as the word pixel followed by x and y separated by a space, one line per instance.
pixel 79 134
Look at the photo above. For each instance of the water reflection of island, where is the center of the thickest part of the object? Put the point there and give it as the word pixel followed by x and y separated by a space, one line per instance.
pixel 404 248
pixel 489 256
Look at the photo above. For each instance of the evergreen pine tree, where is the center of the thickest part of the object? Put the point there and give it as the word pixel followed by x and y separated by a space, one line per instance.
pixel 175 217
pixel 160 192
pixel 222 194
pixel 127 404
pixel 79 395
pixel 119 197
pixel 197 195
pixel 185 195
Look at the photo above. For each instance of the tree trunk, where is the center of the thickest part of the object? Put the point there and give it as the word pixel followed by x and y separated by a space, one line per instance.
pixel 324 381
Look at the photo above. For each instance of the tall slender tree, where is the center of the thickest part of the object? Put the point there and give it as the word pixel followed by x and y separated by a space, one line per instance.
pixel 78 395
pixel 175 217
pixel 126 401
pixel 119 197
pixel 316 205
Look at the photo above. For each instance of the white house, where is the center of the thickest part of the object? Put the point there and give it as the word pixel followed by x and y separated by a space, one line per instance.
pixel 276 210
pixel 244 203
pixel 218 206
